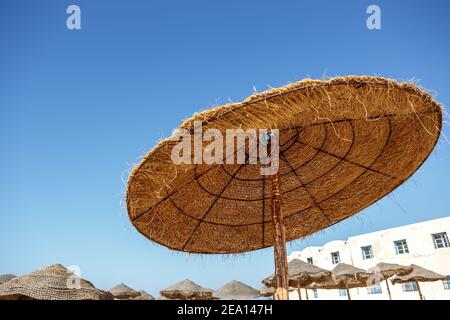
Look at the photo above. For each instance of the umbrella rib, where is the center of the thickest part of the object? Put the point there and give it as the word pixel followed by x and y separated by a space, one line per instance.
pixel 359 119
pixel 348 161
pixel 304 187
pixel 210 207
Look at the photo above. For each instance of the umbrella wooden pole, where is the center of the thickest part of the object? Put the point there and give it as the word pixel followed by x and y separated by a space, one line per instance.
pixel 280 256
pixel 306 290
pixel 418 288
pixel 388 289
pixel 348 294
pixel 299 292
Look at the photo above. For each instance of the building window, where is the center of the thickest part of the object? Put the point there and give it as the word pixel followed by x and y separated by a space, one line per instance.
pixel 316 294
pixel 367 252
pixel 440 240
pixel 342 293
pixel 335 258
pixel 409 286
pixel 310 260
pixel 401 247
pixel 447 283
pixel 375 289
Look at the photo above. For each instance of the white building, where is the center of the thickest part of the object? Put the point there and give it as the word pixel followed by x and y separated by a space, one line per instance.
pixel 425 244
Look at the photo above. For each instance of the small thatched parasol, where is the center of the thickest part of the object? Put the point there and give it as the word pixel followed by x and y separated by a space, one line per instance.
pixel 384 270
pixel 236 290
pixel 266 291
pixel 143 295
pixel 301 274
pixel 419 274
pixel 6 277
pixel 51 283
pixel 345 276
pixel 344 143
pixel 123 292
pixel 187 290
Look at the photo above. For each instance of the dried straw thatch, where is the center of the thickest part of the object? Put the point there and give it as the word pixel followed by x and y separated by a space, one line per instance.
pixel 349 276
pixel 417 275
pixel 384 270
pixel 345 143
pixel 51 283
pixel 143 295
pixel 236 290
pixel 301 274
pixel 187 290
pixel 6 277
pixel 122 291
pixel 266 291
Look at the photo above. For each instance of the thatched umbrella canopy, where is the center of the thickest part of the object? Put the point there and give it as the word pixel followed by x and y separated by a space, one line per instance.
pixel 384 270
pixel 345 276
pixel 122 291
pixel 266 291
pixel 419 274
pixel 236 290
pixel 143 295
pixel 344 143
pixel 187 290
pixel 301 274
pixel 6 277
pixel 51 283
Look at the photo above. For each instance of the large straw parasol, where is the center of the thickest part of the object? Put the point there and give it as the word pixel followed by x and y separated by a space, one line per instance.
pixel 344 143
pixel 384 270
pixel 236 290
pixel 301 274
pixel 123 292
pixel 143 295
pixel 51 283
pixel 419 274
pixel 6 277
pixel 187 290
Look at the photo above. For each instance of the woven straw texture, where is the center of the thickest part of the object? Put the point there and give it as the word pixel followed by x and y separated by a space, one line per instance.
pixel 386 270
pixel 187 290
pixel 6 277
pixel 419 274
pixel 144 296
pixel 300 274
pixel 344 143
pixel 122 291
pixel 236 290
pixel 266 291
pixel 50 283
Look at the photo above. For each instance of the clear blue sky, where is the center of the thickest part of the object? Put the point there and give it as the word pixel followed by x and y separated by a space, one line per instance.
pixel 77 108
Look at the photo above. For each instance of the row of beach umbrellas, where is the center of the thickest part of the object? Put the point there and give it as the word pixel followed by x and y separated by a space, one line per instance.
pixel 56 283
pixel 345 276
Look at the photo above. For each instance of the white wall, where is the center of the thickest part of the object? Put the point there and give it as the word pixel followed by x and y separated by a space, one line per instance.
pixel 421 252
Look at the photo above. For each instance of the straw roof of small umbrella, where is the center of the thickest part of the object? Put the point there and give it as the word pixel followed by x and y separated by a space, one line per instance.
pixel 418 274
pixel 143 295
pixel 384 270
pixel 187 290
pixel 301 274
pixel 344 143
pixel 51 283
pixel 266 291
pixel 6 277
pixel 236 290
pixel 345 276
pixel 122 291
